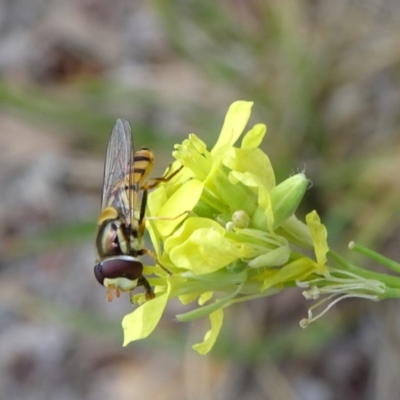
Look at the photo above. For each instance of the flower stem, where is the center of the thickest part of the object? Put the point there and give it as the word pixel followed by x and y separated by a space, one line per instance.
pixel 390 293
pixel 388 280
pixel 208 309
pixel 373 255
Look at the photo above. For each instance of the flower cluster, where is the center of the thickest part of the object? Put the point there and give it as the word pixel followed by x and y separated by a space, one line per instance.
pixel 228 233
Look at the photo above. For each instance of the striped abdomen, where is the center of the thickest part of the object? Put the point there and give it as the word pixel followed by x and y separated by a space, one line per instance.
pixel 143 164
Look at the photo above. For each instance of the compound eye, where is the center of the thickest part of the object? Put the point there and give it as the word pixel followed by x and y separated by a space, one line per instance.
pixel 118 267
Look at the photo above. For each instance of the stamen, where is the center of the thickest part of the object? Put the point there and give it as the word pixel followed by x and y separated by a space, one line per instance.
pixel 306 321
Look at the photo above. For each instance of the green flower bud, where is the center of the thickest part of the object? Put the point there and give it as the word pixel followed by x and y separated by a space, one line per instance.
pixel 240 219
pixel 286 197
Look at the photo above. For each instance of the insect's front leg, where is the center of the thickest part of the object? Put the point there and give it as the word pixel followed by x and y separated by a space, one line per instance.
pixel 163 179
pixel 142 227
pixel 142 281
pixel 142 214
pixel 143 205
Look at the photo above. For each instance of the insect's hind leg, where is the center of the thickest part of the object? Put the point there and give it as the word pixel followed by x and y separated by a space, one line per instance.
pixel 143 205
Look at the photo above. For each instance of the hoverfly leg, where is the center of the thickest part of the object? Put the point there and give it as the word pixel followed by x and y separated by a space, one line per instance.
pixel 163 179
pixel 142 227
pixel 143 205
pixel 154 257
pixel 142 218
pixel 188 213
pixel 148 289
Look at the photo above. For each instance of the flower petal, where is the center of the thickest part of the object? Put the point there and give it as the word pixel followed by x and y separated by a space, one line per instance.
pixel 156 199
pixel 253 162
pixel 296 270
pixel 254 136
pixel 188 227
pixel 141 322
pixel 193 154
pixel 205 251
pixel 216 319
pixel 204 297
pixel 235 121
pixel 319 236
pixel 272 258
pixel 184 199
pixel 188 298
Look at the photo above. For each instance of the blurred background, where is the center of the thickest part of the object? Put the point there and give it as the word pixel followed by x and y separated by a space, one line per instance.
pixel 325 78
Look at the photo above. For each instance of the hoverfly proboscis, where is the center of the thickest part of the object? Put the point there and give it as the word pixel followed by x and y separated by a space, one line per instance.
pixel 121 226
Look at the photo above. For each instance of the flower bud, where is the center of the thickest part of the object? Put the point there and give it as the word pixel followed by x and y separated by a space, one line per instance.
pixel 240 219
pixel 286 197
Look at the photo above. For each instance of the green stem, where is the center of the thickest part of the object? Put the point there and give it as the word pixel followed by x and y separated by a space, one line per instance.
pixel 388 280
pixel 390 293
pixel 270 292
pixel 373 255
pixel 208 309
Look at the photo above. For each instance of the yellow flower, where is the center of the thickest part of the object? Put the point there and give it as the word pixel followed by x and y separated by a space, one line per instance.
pixel 225 229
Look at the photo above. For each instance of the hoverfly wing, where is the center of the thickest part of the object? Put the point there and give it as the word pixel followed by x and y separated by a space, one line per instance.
pixel 117 170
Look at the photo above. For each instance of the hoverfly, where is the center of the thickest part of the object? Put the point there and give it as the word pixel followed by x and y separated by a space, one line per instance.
pixel 121 226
